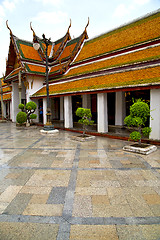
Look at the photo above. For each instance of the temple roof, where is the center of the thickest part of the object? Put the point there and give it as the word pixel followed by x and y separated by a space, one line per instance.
pixel 129 78
pixel 128 56
pixel 137 32
pixel 23 57
pixel 6 89
pixel 141 55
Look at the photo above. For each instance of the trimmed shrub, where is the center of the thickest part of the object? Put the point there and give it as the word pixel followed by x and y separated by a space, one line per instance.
pixel 139 113
pixel 85 115
pixel 33 116
pixel 31 106
pixel 21 117
pixel 21 106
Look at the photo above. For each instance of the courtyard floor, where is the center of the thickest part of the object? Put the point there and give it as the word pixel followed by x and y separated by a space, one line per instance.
pixel 53 187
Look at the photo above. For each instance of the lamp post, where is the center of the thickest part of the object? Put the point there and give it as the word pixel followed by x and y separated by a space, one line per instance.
pixel 36 45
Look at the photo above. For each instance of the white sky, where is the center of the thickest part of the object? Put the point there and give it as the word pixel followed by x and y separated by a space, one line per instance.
pixel 52 17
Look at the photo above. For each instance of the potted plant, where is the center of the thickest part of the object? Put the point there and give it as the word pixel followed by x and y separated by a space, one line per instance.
pixel 139 114
pixel 85 119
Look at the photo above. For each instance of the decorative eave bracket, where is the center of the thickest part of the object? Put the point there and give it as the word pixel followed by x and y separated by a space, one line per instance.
pixel 36 40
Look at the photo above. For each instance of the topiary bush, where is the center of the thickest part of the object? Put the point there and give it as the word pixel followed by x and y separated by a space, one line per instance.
pixel 33 116
pixel 31 106
pixel 139 113
pixel 21 117
pixel 29 109
pixel 21 106
pixel 85 115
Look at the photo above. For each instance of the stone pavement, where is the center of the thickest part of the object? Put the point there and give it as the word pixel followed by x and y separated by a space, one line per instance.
pixel 52 187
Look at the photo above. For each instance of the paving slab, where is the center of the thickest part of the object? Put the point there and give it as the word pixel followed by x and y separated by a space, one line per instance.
pixel 53 187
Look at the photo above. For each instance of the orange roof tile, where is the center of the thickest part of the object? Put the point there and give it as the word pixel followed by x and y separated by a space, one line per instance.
pixel 35 68
pixel 13 73
pixel 27 51
pixel 68 51
pixel 132 57
pixel 56 68
pixel 137 32
pixel 136 77
pixel 56 46
pixel 7 89
pixel 6 96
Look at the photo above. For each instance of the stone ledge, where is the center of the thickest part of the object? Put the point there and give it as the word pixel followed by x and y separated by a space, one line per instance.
pixel 49 131
pixel 3 121
pixel 145 149
pixel 80 138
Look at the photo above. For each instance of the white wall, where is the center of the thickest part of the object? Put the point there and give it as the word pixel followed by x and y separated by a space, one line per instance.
pixel 120 108
pixel 155 113
pixel 68 116
pixel 34 84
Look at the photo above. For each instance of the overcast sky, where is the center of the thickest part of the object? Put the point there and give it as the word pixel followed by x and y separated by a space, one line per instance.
pixel 52 17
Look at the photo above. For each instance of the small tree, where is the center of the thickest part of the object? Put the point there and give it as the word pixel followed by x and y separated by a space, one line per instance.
pixel 29 109
pixel 139 113
pixel 85 115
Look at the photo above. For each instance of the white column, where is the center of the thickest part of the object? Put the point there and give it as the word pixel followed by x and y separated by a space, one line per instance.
pixel 86 101
pixel 53 108
pixel 44 110
pixel 61 108
pixel 4 108
pixel 68 116
pixel 120 108
pixel 36 111
pixel 102 111
pixel 10 109
pixel 15 101
pixel 155 113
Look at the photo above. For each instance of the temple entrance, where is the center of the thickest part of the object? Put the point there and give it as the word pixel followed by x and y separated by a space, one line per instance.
pixel 76 103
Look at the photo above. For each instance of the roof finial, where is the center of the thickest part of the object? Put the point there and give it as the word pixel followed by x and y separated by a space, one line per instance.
pixel 87 25
pixel 32 29
pixel 8 27
pixel 69 25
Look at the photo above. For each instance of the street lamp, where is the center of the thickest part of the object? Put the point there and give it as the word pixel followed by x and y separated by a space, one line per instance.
pixel 36 45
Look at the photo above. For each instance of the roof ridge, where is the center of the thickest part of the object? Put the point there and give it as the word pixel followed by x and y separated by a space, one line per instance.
pixel 125 24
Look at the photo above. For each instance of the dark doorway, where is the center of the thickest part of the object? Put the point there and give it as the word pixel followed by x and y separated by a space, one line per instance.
pixel 94 107
pixel 135 95
pixel 76 103
pixel 55 106
pixel 111 108
pixel 40 109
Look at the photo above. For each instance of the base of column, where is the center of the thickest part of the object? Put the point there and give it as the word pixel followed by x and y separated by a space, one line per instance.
pixel 49 129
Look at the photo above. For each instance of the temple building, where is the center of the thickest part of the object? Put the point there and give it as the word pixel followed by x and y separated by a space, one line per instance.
pixel 103 73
